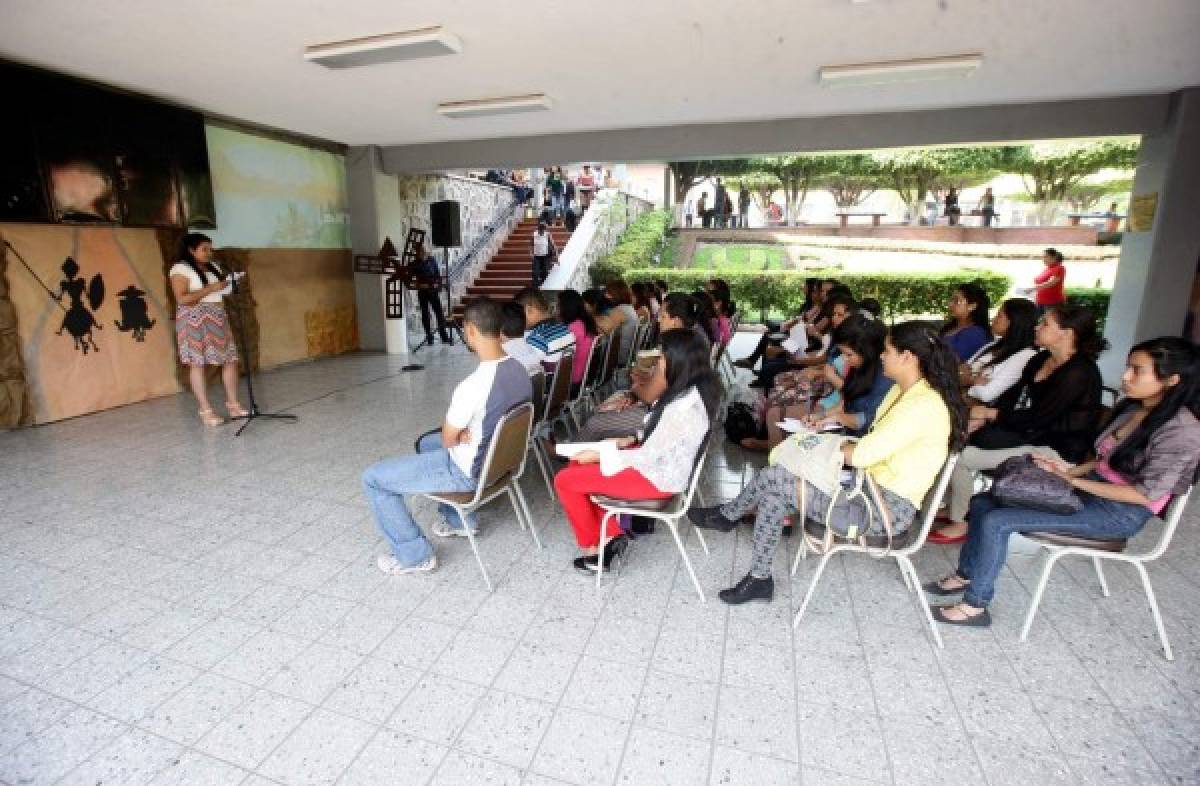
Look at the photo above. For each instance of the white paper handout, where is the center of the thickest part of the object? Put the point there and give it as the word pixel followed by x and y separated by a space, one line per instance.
pixel 237 275
pixel 797 340
pixel 609 460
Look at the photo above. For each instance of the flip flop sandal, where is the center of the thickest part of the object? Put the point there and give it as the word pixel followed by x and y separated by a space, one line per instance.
pixel 936 588
pixel 981 620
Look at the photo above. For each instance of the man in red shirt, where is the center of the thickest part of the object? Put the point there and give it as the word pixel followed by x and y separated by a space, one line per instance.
pixel 1049 286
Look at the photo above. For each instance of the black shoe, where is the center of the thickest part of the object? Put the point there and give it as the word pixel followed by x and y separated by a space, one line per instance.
pixel 585 565
pixel 748 589
pixel 711 518
pixel 614 551
pixel 429 341
pixel 642 525
pixel 446 338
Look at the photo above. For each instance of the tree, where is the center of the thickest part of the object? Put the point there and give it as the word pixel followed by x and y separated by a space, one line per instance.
pixel 1050 170
pixel 689 174
pixel 852 178
pixel 1084 196
pixel 795 175
pixel 913 173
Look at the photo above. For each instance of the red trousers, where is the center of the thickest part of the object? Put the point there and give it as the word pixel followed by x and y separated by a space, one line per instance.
pixel 576 481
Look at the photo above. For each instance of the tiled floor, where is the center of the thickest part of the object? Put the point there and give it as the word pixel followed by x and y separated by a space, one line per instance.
pixel 178 606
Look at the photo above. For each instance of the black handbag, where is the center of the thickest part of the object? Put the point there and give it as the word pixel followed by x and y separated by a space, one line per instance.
pixel 1019 483
pixel 740 422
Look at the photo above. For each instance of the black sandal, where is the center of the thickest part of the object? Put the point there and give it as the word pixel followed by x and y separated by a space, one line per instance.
pixel 981 620
pixel 936 588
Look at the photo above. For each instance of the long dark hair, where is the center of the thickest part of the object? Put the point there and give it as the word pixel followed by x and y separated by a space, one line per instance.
pixel 810 286
pixel 570 308
pixel 683 307
pixel 1171 355
pixel 865 336
pixel 642 294
pixel 707 313
pixel 187 248
pixel 939 367
pixel 687 367
pixel 1022 321
pixel 1082 322
pixel 975 294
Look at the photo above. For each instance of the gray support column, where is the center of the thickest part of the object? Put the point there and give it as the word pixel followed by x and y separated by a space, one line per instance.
pixel 362 166
pixel 1154 279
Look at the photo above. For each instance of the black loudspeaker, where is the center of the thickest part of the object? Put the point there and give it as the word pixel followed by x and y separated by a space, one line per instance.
pixel 445 224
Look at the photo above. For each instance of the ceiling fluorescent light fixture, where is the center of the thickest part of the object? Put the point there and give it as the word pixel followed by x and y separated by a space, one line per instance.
pixel 385 48
pixel 919 70
pixel 534 102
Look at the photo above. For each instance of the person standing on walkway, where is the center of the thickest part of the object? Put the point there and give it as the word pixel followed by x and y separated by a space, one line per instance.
pixel 719 206
pixel 953 211
pixel 451 458
pixel 703 211
pixel 544 253
pixel 429 284
pixel 744 208
pixel 987 207
pixel 556 187
pixel 1049 286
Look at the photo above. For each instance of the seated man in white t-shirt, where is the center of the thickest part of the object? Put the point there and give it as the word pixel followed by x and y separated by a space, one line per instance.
pixel 512 332
pixel 449 460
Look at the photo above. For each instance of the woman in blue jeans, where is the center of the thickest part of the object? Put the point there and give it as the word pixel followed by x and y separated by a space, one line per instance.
pixel 1148 452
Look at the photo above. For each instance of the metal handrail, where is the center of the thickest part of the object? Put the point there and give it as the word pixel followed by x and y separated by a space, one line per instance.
pixel 455 273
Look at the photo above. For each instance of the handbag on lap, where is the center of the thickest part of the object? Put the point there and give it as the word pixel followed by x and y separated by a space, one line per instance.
pixel 1020 483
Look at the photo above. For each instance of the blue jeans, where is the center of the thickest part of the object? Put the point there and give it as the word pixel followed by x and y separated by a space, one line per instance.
pixel 984 553
pixel 386 483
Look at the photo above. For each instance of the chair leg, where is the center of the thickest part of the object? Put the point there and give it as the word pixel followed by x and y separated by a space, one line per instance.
pixel 672 524
pixel 812 586
pixel 600 546
pixel 1100 577
pixel 519 496
pixel 700 537
pixel 475 548
pixel 801 552
pixel 1158 620
pixel 914 582
pixel 1037 595
pixel 904 574
pixel 537 457
pixel 700 497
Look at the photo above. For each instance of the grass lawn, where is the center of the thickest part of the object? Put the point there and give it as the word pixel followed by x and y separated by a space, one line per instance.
pixel 739 256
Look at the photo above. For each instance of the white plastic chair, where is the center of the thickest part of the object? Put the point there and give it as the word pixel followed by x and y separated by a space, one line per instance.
pixel 1060 546
pixel 670 511
pixel 554 404
pixel 902 555
pixel 503 465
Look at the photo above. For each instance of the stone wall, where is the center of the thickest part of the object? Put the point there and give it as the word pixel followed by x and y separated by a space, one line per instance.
pixel 481 203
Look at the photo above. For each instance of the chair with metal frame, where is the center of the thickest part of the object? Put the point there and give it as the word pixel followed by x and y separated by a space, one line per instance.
pixel 608 371
pixel 576 407
pixel 899 551
pixel 670 511
pixel 1060 546
pixel 500 473
pixel 554 404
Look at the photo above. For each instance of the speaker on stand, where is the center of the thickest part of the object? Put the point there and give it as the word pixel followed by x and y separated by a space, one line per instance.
pixel 445 220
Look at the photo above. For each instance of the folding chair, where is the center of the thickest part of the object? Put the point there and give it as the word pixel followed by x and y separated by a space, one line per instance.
pixel 554 403
pixel 608 370
pixel 669 511
pixel 577 406
pixel 1060 546
pixel 902 549
pixel 503 465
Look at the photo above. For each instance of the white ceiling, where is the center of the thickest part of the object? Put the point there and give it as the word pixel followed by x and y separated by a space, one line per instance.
pixel 609 64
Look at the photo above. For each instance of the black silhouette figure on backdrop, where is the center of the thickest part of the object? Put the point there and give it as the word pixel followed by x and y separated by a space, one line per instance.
pixel 135 314
pixel 79 321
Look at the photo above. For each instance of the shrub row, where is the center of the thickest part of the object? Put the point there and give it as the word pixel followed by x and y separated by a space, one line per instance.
pixel 640 243
pixel 782 291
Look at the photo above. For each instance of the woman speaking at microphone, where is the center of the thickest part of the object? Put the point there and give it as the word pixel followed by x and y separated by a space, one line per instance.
pixel 201 327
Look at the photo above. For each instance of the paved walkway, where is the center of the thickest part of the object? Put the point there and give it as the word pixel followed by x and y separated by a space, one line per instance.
pixel 178 606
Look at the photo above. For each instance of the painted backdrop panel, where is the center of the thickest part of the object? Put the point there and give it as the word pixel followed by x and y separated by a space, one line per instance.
pixel 111 342
pixel 272 194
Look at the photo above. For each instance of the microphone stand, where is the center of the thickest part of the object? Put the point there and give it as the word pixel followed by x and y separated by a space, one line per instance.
pixel 253 409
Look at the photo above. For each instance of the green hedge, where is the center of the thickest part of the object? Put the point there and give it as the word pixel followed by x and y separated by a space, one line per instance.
pixel 782 291
pixel 640 243
pixel 1094 299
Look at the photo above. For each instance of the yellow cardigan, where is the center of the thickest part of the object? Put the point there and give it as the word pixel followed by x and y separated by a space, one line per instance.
pixel 908 443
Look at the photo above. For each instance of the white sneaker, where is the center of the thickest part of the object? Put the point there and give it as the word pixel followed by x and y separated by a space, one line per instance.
pixel 442 529
pixel 392 566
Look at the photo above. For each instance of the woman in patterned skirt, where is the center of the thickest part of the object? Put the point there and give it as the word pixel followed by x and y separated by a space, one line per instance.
pixel 201 327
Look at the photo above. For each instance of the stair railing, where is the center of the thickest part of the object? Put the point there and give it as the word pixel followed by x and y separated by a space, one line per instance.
pixel 467 265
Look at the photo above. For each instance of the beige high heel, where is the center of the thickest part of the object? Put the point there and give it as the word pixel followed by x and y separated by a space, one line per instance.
pixel 210 418
pixel 235 410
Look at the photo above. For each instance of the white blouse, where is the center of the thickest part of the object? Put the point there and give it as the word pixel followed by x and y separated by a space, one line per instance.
pixel 194 283
pixel 668 455
pixel 1001 376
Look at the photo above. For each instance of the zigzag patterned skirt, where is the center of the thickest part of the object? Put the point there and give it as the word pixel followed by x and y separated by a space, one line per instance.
pixel 203 334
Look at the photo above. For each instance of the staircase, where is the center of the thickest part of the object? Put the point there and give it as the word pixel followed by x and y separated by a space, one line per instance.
pixel 511 269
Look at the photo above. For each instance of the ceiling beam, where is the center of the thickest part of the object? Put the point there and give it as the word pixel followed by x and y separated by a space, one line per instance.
pixel 964 125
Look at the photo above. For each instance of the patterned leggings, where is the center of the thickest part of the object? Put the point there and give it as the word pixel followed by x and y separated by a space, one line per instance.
pixel 773 493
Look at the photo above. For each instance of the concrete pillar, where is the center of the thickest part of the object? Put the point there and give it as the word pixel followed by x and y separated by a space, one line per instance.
pixel 371 195
pixel 1154 278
